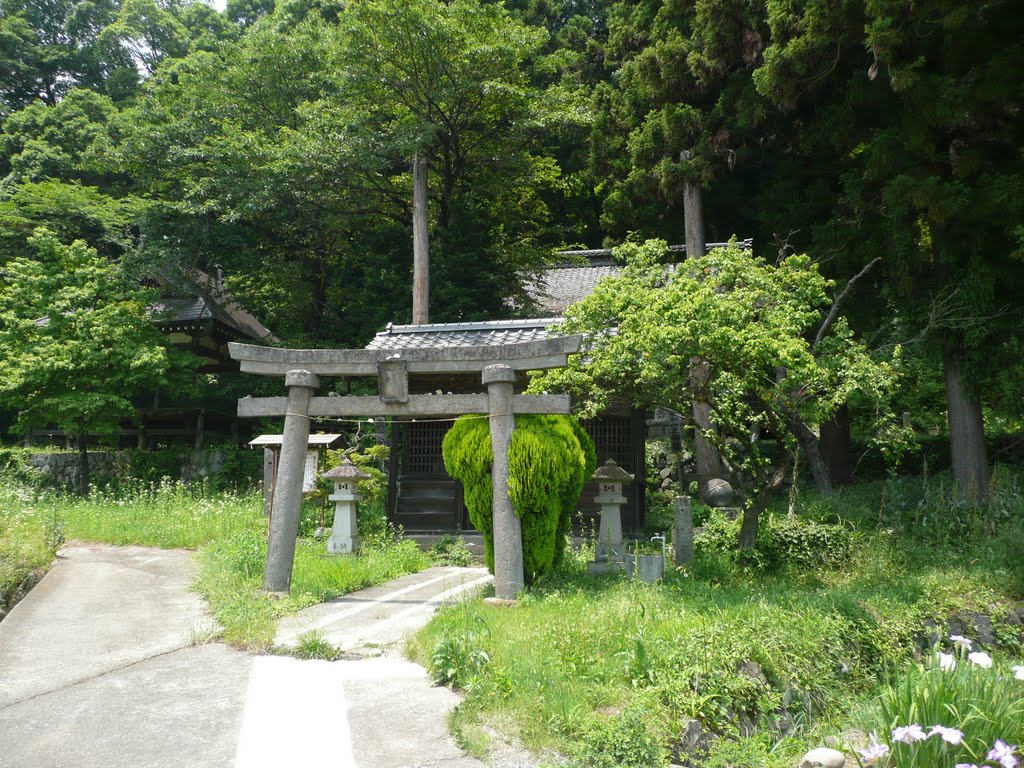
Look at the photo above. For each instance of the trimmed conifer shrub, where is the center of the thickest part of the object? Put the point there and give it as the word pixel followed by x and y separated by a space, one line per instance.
pixel 549 460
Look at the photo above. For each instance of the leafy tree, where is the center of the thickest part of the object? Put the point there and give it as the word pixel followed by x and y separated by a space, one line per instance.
pixel 66 141
pixel 50 46
pixel 225 144
pixel 749 322
pixel 152 32
pixel 76 343
pixel 448 82
pixel 924 124
pixel 681 108
pixel 285 157
pixel 72 212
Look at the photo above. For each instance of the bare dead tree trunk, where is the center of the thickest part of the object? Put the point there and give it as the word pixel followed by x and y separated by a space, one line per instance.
pixel 836 447
pixel 966 434
pixel 420 244
pixel 812 450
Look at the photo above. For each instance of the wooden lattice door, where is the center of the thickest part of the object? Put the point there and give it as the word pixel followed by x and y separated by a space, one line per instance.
pixel 426 498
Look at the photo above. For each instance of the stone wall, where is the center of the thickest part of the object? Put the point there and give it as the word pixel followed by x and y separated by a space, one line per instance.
pixel 60 470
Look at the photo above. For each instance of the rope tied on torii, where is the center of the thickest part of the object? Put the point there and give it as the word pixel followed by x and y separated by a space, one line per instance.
pixel 302 369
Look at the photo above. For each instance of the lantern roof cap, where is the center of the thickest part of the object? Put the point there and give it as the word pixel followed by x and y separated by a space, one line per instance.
pixel 612 472
pixel 346 471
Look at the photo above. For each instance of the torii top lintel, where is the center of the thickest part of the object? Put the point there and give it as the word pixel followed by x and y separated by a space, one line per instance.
pixel 525 356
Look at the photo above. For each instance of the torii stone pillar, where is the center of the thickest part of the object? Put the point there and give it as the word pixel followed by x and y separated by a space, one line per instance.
pixel 301 368
pixel 509 579
pixel 284 525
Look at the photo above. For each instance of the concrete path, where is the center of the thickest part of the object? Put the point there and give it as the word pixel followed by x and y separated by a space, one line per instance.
pixel 103 664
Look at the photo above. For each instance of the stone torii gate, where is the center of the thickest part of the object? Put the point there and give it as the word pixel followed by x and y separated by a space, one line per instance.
pixel 302 369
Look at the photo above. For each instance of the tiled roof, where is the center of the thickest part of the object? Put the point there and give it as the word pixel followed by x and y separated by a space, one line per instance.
pixel 208 299
pixel 480 334
pixel 566 284
pixel 561 286
pixel 553 292
pixel 192 309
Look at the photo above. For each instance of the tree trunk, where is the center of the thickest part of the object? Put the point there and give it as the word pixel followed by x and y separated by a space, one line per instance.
pixel 966 434
pixel 709 462
pixel 83 464
pixel 752 520
pixel 752 511
pixel 836 447
pixel 693 215
pixel 812 450
pixel 420 244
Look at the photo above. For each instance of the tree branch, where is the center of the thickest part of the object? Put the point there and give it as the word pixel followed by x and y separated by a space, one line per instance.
pixel 834 312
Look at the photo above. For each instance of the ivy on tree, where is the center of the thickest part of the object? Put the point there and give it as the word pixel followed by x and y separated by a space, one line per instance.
pixel 76 343
pixel 750 322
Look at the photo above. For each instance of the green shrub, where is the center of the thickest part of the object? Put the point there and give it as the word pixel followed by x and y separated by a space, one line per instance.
pixel 459 657
pixel 783 542
pixel 451 550
pixel 549 460
pixel 622 741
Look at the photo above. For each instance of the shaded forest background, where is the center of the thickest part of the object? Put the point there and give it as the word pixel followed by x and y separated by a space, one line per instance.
pixel 273 142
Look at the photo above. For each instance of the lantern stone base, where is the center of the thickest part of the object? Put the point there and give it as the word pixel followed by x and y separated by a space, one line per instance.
pixel 609 551
pixel 600 568
pixel 343 545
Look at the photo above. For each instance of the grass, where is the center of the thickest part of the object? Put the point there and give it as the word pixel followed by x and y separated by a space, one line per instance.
pixel 227 529
pixel 770 661
pixel 231 574
pixel 28 540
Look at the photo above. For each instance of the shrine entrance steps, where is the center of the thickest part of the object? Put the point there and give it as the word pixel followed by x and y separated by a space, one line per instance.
pixel 371 621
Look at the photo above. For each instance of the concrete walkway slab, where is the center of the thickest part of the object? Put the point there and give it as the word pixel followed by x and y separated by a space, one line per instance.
pixel 383 616
pixel 99 668
pixel 99 608
pixel 176 710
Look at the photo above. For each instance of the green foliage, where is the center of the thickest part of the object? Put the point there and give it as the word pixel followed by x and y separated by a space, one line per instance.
pixel 313 645
pixel 928 510
pixel 75 341
pixel 451 550
pixel 549 460
pixel 460 657
pixel 748 323
pixel 370 460
pixel 29 537
pixel 623 741
pixel 769 660
pixel 984 704
pixel 784 543
pixel 52 46
pixel 164 514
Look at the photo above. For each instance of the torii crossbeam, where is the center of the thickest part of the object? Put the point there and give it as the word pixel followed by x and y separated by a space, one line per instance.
pixel 302 369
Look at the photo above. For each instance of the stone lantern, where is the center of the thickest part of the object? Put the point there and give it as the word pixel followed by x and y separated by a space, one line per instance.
pixel 610 550
pixel 345 533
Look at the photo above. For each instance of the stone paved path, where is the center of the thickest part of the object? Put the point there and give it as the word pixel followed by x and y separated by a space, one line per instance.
pixel 103 664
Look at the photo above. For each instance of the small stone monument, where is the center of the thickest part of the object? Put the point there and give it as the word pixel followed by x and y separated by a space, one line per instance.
pixel 345 533
pixel 610 551
pixel 682 533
